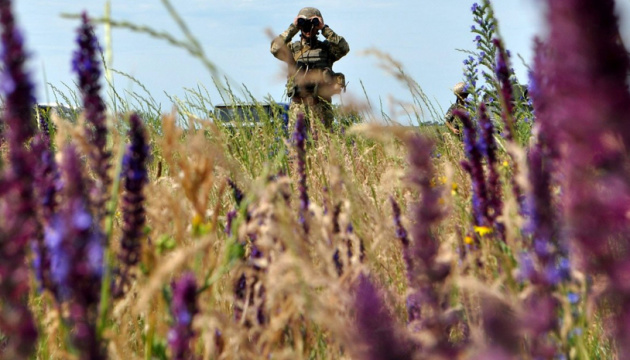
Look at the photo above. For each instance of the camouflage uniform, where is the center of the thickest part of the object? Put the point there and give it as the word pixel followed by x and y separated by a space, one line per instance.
pixel 311 81
pixel 460 103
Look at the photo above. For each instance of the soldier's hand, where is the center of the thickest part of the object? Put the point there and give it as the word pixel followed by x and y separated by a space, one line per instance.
pixel 321 23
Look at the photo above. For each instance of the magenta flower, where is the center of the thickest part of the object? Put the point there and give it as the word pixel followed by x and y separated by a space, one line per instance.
pixel 19 224
pixel 299 139
pixel 183 308
pixel 488 148
pixel 377 330
pixel 87 66
pixel 75 244
pixel 135 177
pixel 474 167
pixel 46 187
pixel 582 78
pixel 506 92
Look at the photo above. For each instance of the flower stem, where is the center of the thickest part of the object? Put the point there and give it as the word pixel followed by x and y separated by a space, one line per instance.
pixel 109 228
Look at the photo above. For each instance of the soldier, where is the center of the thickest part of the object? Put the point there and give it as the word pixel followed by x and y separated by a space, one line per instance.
pixel 311 81
pixel 460 102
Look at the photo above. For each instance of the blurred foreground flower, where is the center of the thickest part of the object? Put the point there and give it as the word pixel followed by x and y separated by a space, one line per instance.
pixel 183 308
pixel 299 139
pixel 18 226
pixel 582 77
pixel 75 244
pixel 379 336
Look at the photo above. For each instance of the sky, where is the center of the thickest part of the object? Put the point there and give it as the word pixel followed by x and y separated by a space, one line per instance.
pixel 426 37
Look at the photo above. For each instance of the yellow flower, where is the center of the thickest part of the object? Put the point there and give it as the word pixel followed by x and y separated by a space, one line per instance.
pixel 482 230
pixel 454 189
pixel 506 163
pixel 468 240
pixel 197 220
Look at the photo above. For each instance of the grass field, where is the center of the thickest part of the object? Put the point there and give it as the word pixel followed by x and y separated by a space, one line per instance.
pixel 132 234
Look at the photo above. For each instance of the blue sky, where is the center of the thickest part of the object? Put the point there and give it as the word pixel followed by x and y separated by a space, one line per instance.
pixel 422 35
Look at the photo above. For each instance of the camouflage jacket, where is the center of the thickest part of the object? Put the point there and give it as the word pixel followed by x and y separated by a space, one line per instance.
pixel 303 57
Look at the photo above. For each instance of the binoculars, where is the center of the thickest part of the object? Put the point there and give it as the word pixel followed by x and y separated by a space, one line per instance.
pixel 307 24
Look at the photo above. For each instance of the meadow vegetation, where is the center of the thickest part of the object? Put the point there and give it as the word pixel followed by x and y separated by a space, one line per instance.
pixel 130 233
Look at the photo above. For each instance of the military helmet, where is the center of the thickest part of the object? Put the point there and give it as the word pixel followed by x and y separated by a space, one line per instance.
pixel 460 88
pixel 309 12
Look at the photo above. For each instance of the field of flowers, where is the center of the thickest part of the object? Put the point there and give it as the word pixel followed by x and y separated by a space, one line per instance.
pixel 140 235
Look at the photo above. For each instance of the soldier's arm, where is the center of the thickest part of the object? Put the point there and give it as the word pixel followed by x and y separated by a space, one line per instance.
pixel 338 45
pixel 280 45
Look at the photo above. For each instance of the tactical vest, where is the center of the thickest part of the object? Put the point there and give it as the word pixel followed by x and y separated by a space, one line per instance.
pixel 314 75
pixel 312 58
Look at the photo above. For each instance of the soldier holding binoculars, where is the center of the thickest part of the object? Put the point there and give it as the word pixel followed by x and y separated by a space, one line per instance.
pixel 311 80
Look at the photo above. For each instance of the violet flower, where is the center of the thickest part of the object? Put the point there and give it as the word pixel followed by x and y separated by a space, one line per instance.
pixel 46 188
pixel 87 65
pixel 19 224
pixel 375 326
pixel 587 85
pixel 543 223
pixel 488 148
pixel 183 308
pixel 238 193
pixel 402 235
pixel 474 166
pixel 299 139
pixel 135 177
pixel 506 93
pixel 425 305
pixel 74 242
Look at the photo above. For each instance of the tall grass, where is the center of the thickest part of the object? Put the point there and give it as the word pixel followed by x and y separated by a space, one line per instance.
pixel 145 235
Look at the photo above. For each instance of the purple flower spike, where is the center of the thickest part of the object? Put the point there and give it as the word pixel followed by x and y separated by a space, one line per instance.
pixel 376 327
pixel 426 275
pixel 135 177
pixel 299 139
pixel 488 147
pixel 402 235
pixel 46 187
pixel 183 308
pixel 474 166
pixel 19 225
pixel 583 80
pixel 74 241
pixel 503 73
pixel 87 65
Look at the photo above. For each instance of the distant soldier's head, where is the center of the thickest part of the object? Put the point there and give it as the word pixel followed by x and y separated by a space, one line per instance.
pixel 460 90
pixel 310 21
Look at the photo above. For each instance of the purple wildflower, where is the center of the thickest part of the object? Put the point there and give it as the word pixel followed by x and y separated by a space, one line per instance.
pixel 299 139
pixel 75 241
pixel 46 187
pixel 183 308
pixel 488 147
pixel 87 65
pixel 135 178
pixel 425 305
pixel 542 222
pixel 19 225
pixel 474 166
pixel 402 235
pixel 238 193
pixel 585 76
pixel 506 94
pixel 375 326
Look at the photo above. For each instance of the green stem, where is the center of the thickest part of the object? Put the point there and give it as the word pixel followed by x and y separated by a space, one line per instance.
pixel 109 228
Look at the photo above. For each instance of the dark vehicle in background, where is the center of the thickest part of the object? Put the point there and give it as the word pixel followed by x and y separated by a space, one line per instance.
pixel 252 115
pixel 44 111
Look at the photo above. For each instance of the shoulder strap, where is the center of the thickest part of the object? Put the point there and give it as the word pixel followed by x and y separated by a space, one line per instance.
pixel 303 48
